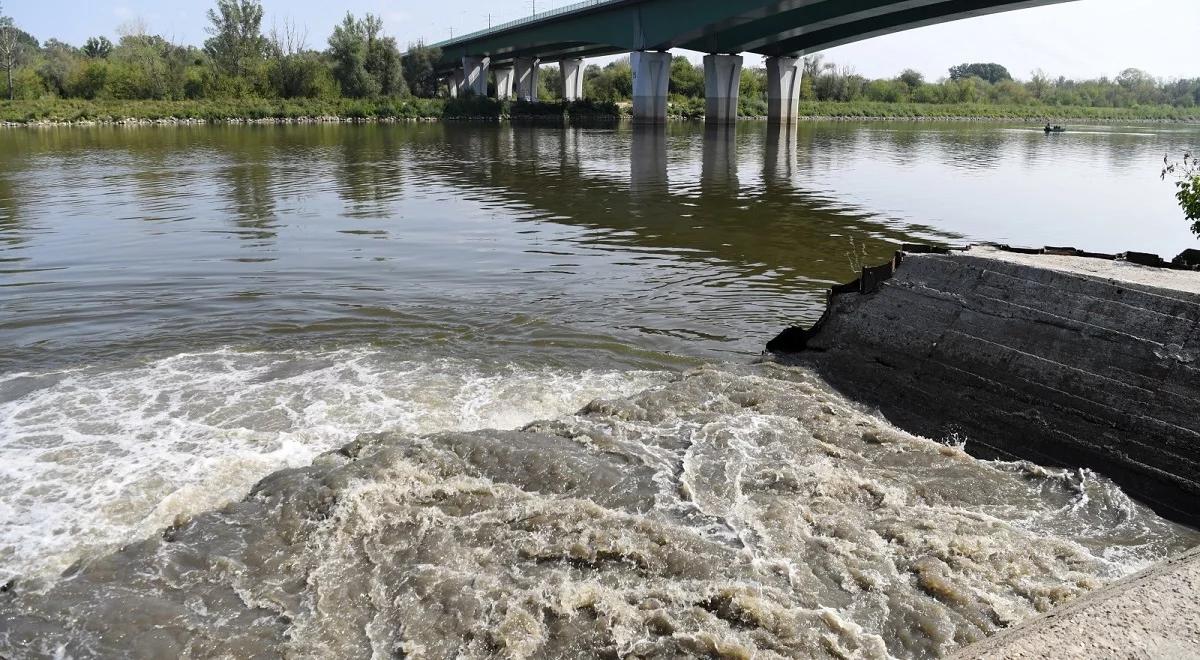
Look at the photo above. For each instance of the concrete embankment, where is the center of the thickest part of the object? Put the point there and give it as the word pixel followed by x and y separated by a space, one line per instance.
pixel 1154 614
pixel 1064 360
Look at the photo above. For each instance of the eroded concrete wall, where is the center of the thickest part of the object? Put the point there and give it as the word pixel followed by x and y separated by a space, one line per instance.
pixel 1058 362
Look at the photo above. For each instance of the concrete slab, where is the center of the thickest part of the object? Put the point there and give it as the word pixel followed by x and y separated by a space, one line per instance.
pixel 1154 614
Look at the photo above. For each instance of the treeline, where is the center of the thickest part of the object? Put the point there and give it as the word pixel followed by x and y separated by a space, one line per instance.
pixel 966 84
pixel 239 60
pixel 242 61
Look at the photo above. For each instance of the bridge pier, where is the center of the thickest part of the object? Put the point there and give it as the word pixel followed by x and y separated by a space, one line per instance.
pixel 783 89
pixel 525 79
pixel 572 79
pixel 504 82
pixel 475 75
pixel 456 83
pixel 651 79
pixel 722 82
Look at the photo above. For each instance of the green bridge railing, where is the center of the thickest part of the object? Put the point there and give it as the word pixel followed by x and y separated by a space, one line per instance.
pixel 566 9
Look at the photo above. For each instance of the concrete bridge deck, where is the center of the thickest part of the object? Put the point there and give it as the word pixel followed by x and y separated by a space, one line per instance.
pixel 781 30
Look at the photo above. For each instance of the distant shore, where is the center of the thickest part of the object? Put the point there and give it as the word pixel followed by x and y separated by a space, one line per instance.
pixel 73 112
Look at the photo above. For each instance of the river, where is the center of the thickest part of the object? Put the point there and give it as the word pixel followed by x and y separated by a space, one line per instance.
pixel 188 310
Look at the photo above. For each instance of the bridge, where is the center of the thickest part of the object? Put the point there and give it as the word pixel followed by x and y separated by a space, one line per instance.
pixel 781 30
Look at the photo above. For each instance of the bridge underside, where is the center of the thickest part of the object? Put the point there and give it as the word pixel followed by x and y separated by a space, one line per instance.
pixel 781 30
pixel 765 27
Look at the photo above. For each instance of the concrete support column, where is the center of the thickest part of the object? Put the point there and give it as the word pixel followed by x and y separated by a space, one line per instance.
pixel 525 78
pixel 651 79
pixel 475 75
pixel 783 89
pixel 722 81
pixel 457 82
pixel 504 83
pixel 572 79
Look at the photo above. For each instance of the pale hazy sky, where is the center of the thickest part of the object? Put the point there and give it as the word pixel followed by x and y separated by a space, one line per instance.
pixel 1086 38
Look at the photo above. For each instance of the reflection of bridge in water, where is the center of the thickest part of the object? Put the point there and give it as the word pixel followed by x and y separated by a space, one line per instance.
pixel 780 30
pixel 734 205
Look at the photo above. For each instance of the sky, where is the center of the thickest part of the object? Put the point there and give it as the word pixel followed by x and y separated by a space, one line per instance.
pixel 1081 39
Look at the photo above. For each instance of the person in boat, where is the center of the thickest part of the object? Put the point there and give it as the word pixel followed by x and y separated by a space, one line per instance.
pixel 1048 128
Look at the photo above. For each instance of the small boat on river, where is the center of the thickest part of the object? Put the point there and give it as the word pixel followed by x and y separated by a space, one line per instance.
pixel 1054 129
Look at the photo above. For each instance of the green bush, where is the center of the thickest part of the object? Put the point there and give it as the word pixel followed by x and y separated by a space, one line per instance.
pixel 752 106
pixel 588 109
pixel 88 80
pixel 685 107
pixel 475 107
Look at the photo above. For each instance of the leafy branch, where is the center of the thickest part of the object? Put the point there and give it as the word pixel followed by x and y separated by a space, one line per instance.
pixel 1187 180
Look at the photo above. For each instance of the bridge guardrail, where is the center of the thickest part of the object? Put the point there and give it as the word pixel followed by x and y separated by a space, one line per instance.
pixel 566 9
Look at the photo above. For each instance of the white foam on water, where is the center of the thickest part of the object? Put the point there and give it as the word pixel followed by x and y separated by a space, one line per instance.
pixel 92 458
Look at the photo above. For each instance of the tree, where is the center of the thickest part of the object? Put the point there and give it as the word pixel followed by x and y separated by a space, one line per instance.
pixel 366 63
pixel 419 70
pixel 1039 84
pixel 148 67
pixel 911 78
pixel 10 48
pixel 55 66
pixel 687 79
pixel 991 72
pixel 383 58
pixel 1134 78
pixel 549 83
pixel 1187 175
pixel 348 48
pixel 836 83
pixel 812 68
pixel 294 71
pixel 97 48
pixel 237 43
pixel 611 84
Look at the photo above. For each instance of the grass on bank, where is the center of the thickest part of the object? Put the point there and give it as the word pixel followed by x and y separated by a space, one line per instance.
pixel 880 110
pixel 75 110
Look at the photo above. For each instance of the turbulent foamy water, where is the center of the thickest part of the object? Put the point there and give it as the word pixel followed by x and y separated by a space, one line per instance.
pixel 95 457
pixel 733 512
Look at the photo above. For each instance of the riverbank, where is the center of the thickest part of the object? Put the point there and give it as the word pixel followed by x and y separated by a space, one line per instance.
pixel 65 112
pixel 58 112
pixel 1062 358
pixel 990 112
pixel 1055 356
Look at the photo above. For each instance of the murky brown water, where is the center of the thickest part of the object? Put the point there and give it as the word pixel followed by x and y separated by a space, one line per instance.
pixel 186 311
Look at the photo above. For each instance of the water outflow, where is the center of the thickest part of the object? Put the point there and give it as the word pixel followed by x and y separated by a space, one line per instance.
pixel 98 456
pixel 728 512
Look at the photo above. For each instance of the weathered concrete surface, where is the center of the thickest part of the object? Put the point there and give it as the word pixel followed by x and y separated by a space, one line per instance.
pixel 1154 614
pixel 1061 360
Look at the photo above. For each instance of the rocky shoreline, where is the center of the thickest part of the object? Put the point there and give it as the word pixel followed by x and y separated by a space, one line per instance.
pixel 333 119
pixel 197 121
